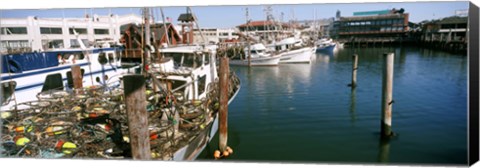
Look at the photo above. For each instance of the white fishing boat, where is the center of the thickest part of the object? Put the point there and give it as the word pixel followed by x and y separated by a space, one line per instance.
pixel 293 51
pixel 24 75
pixel 258 57
pixel 191 74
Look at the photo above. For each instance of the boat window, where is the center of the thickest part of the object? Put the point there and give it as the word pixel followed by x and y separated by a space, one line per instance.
pixel 253 51
pixel 176 84
pixel 201 84
pixel 188 61
pixel 110 58
pixel 184 59
pixel 79 56
pixel 53 82
pixel 278 48
pixel 118 53
pixel 8 88
pixel 207 59
pixel 102 58
pixel 177 57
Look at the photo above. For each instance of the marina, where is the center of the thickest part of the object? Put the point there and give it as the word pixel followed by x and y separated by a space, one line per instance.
pixel 156 84
pixel 307 113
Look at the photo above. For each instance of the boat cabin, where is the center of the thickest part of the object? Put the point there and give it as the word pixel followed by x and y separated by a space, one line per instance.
pixel 186 71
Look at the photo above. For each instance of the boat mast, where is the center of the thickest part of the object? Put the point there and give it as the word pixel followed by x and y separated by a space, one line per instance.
pixel 165 26
pixel 146 15
pixel 248 39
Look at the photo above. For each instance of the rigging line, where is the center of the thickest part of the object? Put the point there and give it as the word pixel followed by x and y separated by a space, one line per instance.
pixel 165 26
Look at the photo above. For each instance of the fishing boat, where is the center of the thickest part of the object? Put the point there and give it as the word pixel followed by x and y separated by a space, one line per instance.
pixel 190 72
pixel 182 102
pixel 27 74
pixel 325 45
pixel 258 57
pixel 293 50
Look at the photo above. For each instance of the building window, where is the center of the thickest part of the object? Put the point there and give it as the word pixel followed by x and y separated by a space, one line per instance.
pixel 74 43
pixel 15 46
pixel 78 30
pixel 100 31
pixel 50 44
pixel 50 30
pixel 13 30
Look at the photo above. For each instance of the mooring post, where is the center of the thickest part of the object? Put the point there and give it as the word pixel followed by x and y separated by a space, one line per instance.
pixel 77 77
pixel 223 116
pixel 387 88
pixel 135 101
pixel 354 70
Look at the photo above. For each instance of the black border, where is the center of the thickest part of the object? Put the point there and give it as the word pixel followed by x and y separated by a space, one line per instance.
pixel 474 85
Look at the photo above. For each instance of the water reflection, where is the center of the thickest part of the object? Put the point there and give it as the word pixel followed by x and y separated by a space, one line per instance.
pixel 352 105
pixel 384 151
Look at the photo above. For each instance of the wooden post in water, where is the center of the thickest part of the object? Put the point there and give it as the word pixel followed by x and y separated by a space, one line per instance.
pixel 387 88
pixel 135 102
pixel 354 70
pixel 223 114
pixel 77 77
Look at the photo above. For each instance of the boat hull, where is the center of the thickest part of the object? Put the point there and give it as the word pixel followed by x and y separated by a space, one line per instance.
pixel 328 48
pixel 30 83
pixel 193 149
pixel 262 61
pixel 303 55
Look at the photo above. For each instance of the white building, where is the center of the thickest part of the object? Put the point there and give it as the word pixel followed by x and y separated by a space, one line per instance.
pixel 214 35
pixel 38 34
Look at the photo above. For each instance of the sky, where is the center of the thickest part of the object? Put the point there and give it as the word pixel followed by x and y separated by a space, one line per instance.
pixel 228 16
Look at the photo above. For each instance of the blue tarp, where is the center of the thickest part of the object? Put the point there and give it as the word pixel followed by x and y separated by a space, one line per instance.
pixel 17 63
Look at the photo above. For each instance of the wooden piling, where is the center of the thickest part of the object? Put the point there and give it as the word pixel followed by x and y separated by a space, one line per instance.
pixel 387 88
pixel 77 77
pixel 135 102
pixel 223 114
pixel 354 70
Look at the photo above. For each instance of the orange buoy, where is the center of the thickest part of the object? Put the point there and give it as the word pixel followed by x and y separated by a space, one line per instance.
pixel 225 153
pixel 216 154
pixel 230 150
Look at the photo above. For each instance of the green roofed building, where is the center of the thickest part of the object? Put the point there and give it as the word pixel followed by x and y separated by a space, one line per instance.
pixel 382 25
pixel 367 13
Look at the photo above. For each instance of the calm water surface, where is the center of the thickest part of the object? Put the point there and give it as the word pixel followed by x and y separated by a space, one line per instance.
pixel 306 112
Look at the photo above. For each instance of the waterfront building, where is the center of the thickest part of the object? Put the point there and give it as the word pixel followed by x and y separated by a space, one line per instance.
pixel 214 35
pixel 384 25
pixel 39 34
pixel 320 27
pixel 449 34
pixel 266 30
pixel 449 29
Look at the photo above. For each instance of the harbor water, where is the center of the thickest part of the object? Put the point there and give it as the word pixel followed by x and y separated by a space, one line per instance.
pixel 307 113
